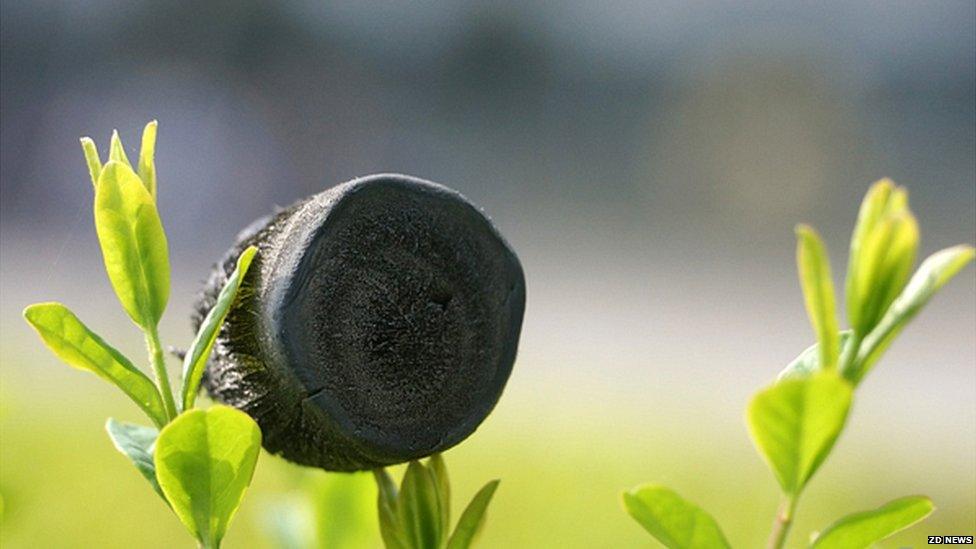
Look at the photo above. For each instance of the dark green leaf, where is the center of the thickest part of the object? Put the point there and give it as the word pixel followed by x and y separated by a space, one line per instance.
pixel 418 511
pixel 386 504
pixel 439 469
pixel 674 521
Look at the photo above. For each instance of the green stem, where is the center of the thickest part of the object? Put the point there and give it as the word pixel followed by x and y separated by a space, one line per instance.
pixel 159 370
pixel 781 526
pixel 849 355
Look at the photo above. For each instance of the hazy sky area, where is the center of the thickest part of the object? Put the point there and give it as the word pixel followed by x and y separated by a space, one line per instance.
pixel 647 162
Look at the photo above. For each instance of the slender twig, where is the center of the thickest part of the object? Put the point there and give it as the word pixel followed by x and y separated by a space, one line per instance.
pixel 781 526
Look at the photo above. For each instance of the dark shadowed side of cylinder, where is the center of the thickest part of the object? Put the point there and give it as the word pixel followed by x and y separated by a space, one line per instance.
pixel 379 324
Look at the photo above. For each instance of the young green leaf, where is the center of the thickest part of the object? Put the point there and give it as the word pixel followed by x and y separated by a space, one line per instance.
pixel 808 362
pixel 795 422
pixel 75 344
pixel 116 151
pixel 133 243
pixel 91 158
pixel 864 529
pixel 473 518
pixel 674 521
pixel 136 443
pixel 439 470
pixel 386 504
pixel 195 361
pixel 931 276
pixel 818 292
pixel 889 257
pixel 883 249
pixel 873 207
pixel 147 155
pixel 204 463
pixel 418 510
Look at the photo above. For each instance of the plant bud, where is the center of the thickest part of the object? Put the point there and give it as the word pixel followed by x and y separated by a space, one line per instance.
pixel 379 324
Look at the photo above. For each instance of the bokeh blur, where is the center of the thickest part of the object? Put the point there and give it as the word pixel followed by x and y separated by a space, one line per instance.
pixel 647 161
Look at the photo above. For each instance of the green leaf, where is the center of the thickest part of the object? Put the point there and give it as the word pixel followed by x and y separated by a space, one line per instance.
pixel 439 470
pixel 795 422
pixel 873 207
pixel 818 292
pixel 133 244
pixel 75 344
pixel 674 521
pixel 418 511
pixel 931 276
pixel 147 155
pixel 473 518
pixel 883 249
pixel 864 529
pixel 116 151
pixel 386 504
pixel 195 361
pixel 91 158
pixel 808 362
pixel 204 463
pixel 136 443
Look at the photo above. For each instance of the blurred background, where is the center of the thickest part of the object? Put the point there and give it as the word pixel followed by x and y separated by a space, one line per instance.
pixel 647 161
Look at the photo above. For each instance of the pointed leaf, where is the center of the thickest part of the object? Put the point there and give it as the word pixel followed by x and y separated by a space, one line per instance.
pixel 386 504
pixel 91 158
pixel 147 155
pixel 888 258
pixel 818 292
pixel 133 244
pixel 877 203
pixel 136 443
pixel 75 344
pixel 864 529
pixel 418 511
pixel 808 362
pixel 473 518
pixel 795 422
pixel 931 276
pixel 439 469
pixel 116 151
pixel 674 521
pixel 204 463
pixel 195 360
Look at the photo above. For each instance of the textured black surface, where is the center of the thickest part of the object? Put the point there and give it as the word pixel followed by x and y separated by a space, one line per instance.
pixel 378 325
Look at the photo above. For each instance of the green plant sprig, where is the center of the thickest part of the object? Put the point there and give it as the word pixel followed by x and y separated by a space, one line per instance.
pixel 199 462
pixel 418 515
pixel 795 422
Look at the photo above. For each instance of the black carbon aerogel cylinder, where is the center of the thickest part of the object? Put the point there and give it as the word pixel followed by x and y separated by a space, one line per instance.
pixel 378 324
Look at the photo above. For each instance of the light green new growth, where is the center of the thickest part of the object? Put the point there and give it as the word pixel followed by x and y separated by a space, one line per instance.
pixel 796 421
pixel 201 462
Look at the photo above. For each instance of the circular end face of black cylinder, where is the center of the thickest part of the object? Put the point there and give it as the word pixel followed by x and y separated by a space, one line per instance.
pixel 394 306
